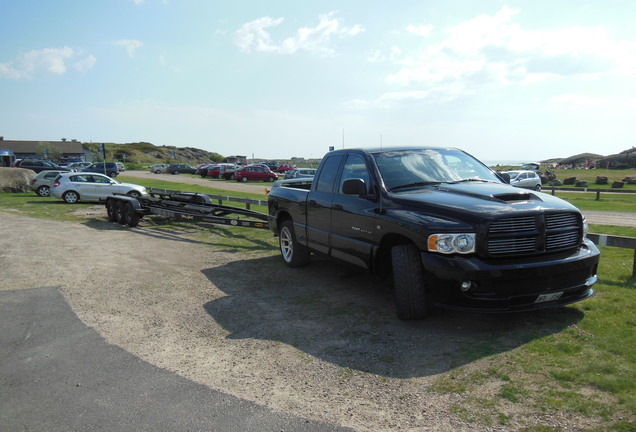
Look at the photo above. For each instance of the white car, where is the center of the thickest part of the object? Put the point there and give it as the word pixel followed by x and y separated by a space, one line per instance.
pixel 83 186
pixel 525 179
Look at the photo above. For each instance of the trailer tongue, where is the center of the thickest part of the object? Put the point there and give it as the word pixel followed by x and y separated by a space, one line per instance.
pixel 128 210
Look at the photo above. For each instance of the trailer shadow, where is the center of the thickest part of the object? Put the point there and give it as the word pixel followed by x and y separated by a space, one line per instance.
pixel 343 315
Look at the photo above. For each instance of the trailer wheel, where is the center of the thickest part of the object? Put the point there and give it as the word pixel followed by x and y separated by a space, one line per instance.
pixel 130 215
pixel 411 295
pixel 294 254
pixel 111 210
pixel 121 218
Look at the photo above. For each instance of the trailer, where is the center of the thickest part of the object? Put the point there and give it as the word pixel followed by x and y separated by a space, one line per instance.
pixel 186 206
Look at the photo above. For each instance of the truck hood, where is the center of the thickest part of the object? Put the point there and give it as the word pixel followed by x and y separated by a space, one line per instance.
pixel 483 200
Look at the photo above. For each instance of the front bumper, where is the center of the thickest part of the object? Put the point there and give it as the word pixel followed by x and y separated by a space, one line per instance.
pixel 508 285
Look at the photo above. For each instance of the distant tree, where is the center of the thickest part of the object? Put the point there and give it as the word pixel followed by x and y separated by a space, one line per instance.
pixel 46 150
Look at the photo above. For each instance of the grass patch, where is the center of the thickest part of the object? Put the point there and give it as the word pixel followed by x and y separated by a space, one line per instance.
pixel 625 202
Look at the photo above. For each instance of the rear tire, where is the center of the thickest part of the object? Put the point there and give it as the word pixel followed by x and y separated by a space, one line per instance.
pixel 411 296
pixel 244 179
pixel 294 254
pixel 71 197
pixel 44 191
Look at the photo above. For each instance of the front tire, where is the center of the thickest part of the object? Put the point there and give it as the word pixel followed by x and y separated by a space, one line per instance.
pixel 44 191
pixel 294 254
pixel 244 179
pixel 134 194
pixel 537 188
pixel 71 197
pixel 411 296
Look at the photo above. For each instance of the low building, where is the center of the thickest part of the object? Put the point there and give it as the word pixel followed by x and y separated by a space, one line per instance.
pixel 69 150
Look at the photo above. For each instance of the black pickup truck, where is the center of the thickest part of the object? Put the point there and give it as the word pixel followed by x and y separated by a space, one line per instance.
pixel 451 231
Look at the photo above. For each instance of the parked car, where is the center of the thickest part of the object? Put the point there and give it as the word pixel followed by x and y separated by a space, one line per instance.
pixel 255 172
pixel 176 169
pixel 43 181
pixel 159 168
pixel 285 167
pixel 77 166
pixel 107 168
pixel 79 186
pixel 223 170
pixel 38 165
pixel 203 169
pixel 121 166
pixel 525 179
pixel 300 173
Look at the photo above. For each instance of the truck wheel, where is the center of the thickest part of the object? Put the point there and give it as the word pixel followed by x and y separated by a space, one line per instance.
pixel 111 210
pixel 294 254
pixel 130 215
pixel 411 296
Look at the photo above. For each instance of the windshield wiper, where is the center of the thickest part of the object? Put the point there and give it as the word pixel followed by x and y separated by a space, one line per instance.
pixel 470 180
pixel 416 184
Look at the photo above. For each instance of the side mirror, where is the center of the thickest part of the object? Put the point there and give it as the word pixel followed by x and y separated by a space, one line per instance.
pixel 354 187
pixel 504 176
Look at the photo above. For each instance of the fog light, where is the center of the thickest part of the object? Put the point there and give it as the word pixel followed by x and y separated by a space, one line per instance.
pixel 466 285
pixel 591 280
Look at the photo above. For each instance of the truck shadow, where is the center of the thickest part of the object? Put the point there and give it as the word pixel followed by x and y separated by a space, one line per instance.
pixel 343 315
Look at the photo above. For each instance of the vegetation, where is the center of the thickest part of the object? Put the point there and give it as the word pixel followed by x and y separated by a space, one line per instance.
pixel 143 154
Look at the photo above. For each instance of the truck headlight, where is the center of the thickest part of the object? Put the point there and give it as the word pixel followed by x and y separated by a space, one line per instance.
pixel 463 243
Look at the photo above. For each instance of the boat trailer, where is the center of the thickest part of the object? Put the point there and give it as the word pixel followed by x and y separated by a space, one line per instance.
pixel 128 210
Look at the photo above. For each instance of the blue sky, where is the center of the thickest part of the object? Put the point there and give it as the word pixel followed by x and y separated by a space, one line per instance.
pixel 503 80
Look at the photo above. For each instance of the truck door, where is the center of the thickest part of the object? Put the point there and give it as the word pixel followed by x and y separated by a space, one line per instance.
pixel 353 217
pixel 319 204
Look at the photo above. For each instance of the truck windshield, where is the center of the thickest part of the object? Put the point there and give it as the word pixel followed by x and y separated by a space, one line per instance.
pixel 402 169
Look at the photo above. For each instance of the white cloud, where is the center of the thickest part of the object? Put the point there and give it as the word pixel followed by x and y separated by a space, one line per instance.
pixel 423 30
pixel 131 45
pixel 255 36
pixel 577 100
pixel 493 50
pixel 51 60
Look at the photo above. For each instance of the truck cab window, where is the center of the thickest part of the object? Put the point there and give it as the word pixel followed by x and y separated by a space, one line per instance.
pixel 354 168
pixel 328 174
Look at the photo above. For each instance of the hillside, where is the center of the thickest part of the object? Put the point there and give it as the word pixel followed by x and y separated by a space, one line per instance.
pixel 146 153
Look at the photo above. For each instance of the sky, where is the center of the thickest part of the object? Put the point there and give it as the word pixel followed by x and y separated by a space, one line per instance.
pixel 503 80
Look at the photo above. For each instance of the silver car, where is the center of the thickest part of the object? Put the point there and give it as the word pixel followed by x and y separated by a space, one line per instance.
pixel 525 179
pixel 80 186
pixel 43 180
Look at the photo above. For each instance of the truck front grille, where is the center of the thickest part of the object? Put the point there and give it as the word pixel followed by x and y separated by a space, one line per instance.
pixel 534 235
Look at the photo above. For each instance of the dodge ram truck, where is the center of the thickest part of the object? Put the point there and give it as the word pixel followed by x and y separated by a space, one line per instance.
pixel 450 230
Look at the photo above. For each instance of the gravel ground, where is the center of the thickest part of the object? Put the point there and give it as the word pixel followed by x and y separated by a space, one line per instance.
pixel 320 342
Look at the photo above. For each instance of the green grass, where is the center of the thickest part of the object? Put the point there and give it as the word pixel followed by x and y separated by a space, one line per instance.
pixel 620 202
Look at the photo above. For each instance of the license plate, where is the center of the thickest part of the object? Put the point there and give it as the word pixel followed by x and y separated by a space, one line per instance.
pixel 549 297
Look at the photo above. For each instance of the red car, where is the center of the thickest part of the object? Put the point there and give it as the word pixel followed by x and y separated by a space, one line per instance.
pixel 255 172
pixel 285 167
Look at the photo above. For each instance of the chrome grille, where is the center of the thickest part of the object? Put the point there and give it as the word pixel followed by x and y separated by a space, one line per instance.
pixel 532 235
pixel 564 220
pixel 513 225
pixel 509 245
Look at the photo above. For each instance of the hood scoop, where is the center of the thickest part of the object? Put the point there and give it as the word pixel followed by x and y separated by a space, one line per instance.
pixel 521 196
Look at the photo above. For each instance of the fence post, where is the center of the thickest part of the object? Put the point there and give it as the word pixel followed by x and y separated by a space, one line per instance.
pixel 598 194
